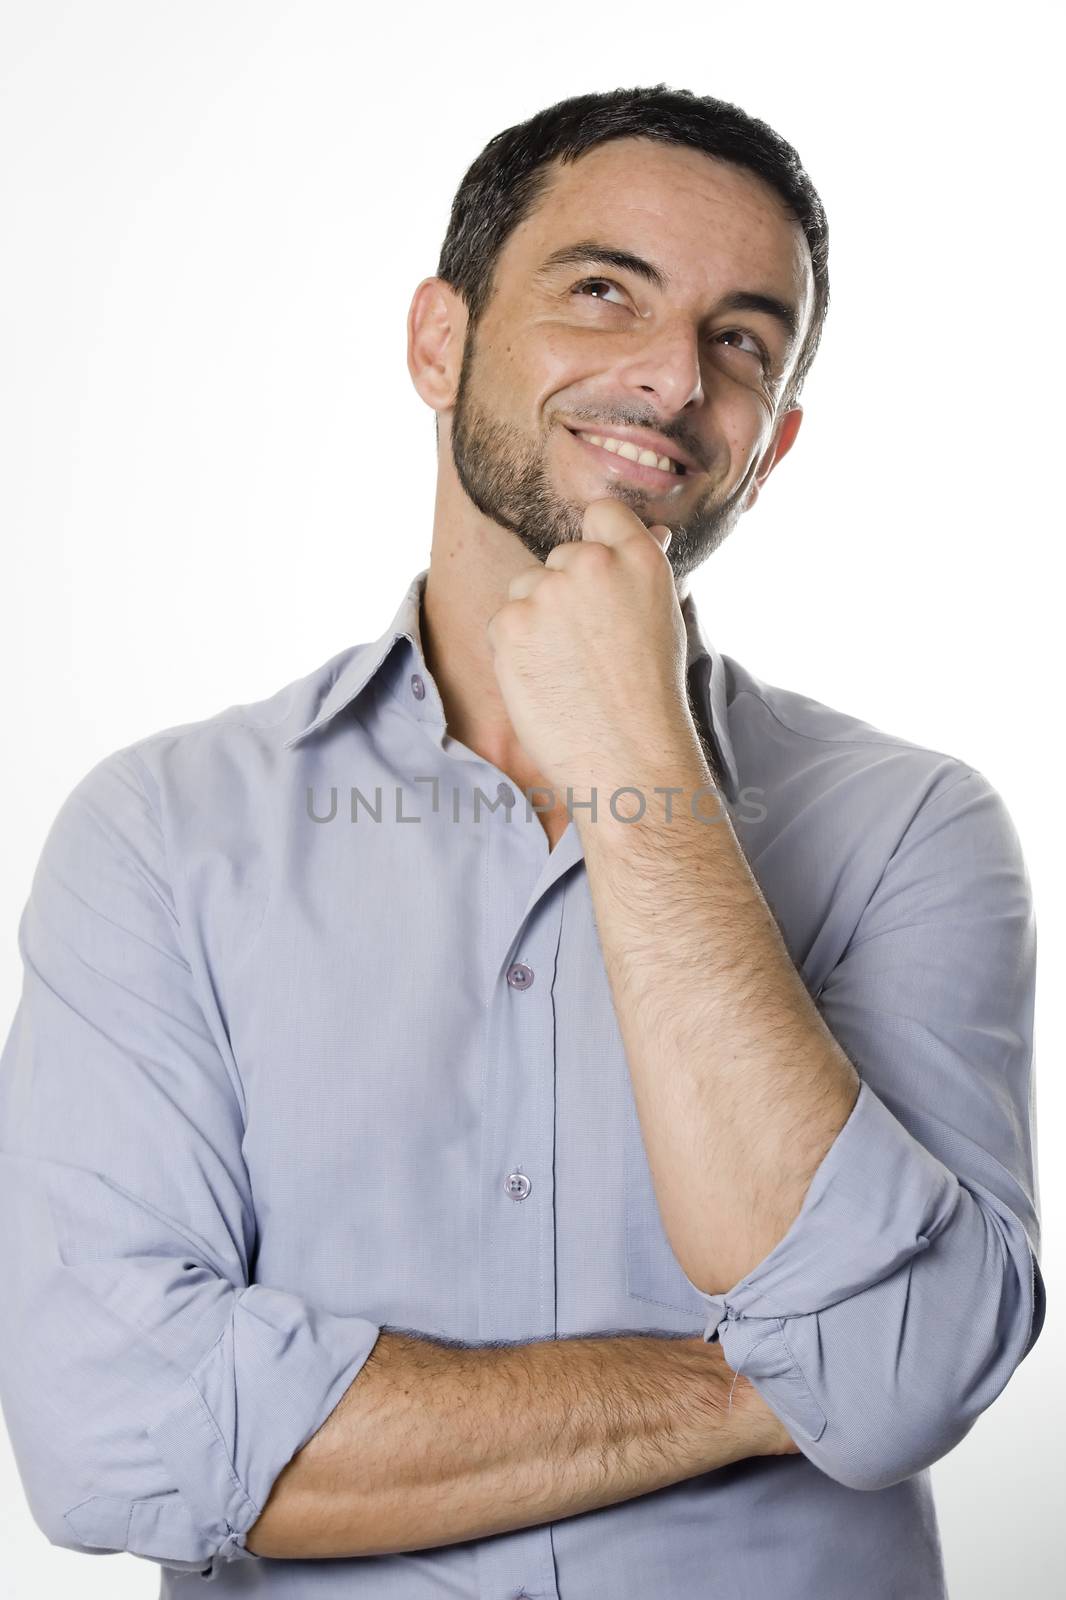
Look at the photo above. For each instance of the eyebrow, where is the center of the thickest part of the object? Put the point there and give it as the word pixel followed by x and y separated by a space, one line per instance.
pixel 590 253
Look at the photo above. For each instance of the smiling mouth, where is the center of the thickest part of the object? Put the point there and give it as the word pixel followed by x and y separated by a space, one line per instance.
pixel 612 460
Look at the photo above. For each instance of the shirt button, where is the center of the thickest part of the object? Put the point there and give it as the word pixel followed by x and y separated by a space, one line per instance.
pixel 418 688
pixel 517 1185
pixel 505 793
pixel 519 976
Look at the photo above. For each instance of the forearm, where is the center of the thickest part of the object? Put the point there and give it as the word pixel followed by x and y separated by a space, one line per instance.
pixel 432 1444
pixel 739 1085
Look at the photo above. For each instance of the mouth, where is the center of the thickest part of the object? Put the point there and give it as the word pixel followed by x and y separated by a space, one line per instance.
pixel 616 465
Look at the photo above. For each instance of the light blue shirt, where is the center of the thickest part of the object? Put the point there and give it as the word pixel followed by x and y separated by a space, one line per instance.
pixel 279 1078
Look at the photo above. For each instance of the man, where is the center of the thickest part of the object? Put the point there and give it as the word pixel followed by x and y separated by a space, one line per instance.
pixel 629 1191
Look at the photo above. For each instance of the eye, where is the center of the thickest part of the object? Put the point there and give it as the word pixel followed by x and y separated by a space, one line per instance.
pixel 589 283
pixel 757 346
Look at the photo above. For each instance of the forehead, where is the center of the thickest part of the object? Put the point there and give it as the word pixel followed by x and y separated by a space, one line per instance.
pixel 697 217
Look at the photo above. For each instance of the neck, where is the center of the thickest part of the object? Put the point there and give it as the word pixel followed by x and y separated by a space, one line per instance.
pixel 472 562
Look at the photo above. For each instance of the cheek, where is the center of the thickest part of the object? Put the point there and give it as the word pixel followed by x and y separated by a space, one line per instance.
pixel 535 372
pixel 747 424
pixel 562 354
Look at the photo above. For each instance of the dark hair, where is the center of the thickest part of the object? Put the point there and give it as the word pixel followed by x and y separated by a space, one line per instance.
pixel 503 184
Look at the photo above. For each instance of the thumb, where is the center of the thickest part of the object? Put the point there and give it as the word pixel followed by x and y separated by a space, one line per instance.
pixel 664 534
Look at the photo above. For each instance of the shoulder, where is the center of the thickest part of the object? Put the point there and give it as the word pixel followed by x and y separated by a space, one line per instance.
pixel 786 738
pixel 190 784
pixel 849 787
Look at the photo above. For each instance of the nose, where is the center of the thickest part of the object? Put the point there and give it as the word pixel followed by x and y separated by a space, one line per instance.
pixel 667 365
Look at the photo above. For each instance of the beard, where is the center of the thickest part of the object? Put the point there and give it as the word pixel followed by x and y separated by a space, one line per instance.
pixel 506 477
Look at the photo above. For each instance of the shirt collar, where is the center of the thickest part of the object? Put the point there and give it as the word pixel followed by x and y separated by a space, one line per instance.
pixel 706 668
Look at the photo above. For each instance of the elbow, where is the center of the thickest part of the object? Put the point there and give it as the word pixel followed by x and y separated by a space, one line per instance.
pixel 89 1500
pixel 908 1430
pixel 866 1463
pixel 877 1446
pixel 82 1503
pixel 158 1528
pixel 870 1417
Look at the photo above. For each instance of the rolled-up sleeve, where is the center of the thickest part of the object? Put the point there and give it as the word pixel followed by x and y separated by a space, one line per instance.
pixel 151 1391
pixel 908 1289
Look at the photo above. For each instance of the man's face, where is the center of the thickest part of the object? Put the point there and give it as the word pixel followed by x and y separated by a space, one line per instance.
pixel 589 344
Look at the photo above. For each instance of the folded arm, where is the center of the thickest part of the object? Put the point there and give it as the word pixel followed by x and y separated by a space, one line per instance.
pixel 907 1290
pixel 436 1444
pixel 848 1179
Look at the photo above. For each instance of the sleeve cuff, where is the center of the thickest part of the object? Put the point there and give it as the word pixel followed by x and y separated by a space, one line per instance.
pixel 877 1199
pixel 281 1368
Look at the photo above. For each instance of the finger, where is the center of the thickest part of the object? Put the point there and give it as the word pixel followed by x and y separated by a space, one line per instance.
pixel 524 582
pixel 561 557
pixel 610 522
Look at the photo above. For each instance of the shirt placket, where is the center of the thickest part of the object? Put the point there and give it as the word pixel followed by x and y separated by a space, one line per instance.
pixel 517 1213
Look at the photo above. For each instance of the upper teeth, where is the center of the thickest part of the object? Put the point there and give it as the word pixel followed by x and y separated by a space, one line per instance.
pixel 646 458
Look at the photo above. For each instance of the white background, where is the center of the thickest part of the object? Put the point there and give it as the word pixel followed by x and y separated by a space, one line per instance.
pixel 216 473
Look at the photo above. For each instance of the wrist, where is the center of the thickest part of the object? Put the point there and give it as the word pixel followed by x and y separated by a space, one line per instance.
pixel 743 1424
pixel 676 795
pixel 762 1426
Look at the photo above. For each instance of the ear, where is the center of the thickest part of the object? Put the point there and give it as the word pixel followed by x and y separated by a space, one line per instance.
pixel 436 328
pixel 780 445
